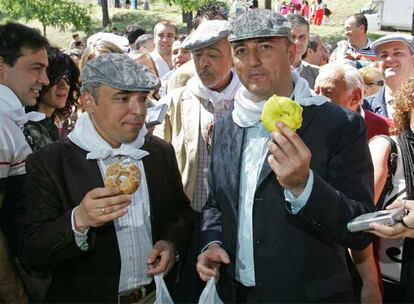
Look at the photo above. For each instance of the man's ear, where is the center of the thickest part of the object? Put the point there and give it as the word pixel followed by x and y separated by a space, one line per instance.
pixel 292 52
pixel 356 97
pixel 87 102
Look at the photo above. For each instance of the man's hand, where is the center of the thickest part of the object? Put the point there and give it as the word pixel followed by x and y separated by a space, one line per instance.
pixel 161 258
pixel 99 206
pixel 209 262
pixel 289 159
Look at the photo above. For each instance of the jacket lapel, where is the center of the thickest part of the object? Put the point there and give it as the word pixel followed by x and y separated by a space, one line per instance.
pixel 233 154
pixel 308 114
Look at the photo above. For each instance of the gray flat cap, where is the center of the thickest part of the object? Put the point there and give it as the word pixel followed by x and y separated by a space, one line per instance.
pixel 120 72
pixel 406 39
pixel 207 33
pixel 259 23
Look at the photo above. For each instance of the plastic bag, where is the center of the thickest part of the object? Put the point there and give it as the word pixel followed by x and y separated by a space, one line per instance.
pixel 209 294
pixel 162 296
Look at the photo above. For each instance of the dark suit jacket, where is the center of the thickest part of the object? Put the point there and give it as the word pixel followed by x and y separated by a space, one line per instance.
pixel 377 103
pixel 297 258
pixel 309 72
pixel 58 177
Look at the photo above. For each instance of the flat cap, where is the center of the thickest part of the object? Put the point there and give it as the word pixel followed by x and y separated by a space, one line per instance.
pixel 120 72
pixel 406 39
pixel 207 33
pixel 259 23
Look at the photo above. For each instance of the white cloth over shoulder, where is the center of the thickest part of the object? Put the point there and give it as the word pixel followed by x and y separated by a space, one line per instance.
pixel 85 136
pixel 247 113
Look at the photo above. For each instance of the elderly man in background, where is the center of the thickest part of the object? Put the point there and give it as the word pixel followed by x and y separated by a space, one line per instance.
pixel 396 63
pixel 279 202
pixel 194 109
pixel 343 84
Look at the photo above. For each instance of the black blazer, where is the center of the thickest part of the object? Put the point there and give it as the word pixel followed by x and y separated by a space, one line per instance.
pixel 297 258
pixel 58 177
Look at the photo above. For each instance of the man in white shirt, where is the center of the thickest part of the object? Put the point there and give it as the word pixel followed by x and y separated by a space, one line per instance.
pixel 23 62
pixel 164 35
pixel 101 244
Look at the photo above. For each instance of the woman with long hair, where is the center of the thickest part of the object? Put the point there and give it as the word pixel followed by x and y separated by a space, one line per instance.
pixel 396 256
pixel 57 100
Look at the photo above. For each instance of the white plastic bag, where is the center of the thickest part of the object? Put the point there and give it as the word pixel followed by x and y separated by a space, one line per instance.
pixel 162 296
pixel 209 294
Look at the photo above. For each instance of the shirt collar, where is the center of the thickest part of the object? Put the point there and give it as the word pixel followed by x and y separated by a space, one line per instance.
pixel 8 100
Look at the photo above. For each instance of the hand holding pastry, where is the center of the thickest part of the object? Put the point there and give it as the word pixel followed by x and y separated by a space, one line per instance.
pixel 99 206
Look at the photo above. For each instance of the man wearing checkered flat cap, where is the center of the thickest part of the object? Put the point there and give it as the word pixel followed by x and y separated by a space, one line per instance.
pixel 103 245
pixel 274 225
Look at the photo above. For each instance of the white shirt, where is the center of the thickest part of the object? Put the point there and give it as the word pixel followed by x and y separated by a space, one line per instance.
pixel 13 145
pixel 162 66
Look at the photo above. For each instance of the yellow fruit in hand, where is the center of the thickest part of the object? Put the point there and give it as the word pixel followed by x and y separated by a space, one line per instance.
pixel 278 108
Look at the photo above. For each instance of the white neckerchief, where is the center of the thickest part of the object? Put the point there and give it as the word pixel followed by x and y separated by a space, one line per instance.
pixel 218 99
pixel 11 107
pixel 86 137
pixel 247 113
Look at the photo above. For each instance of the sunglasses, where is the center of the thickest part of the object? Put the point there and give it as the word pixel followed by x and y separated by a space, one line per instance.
pixel 379 83
pixel 64 77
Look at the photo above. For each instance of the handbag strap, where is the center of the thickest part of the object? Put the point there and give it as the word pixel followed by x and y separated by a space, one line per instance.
pixel 392 167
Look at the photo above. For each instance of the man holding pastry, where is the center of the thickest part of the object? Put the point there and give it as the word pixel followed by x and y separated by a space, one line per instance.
pixel 104 243
pixel 281 193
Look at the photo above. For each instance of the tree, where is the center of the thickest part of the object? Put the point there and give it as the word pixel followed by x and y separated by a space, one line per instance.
pixel 188 6
pixel 268 4
pixel 105 13
pixel 57 13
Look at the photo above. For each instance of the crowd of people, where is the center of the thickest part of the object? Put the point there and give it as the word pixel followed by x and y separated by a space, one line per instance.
pixel 207 191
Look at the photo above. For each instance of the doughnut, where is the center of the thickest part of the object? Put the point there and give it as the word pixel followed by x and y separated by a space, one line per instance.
pixel 278 108
pixel 126 178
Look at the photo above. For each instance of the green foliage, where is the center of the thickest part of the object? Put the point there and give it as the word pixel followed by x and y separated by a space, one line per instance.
pixel 193 5
pixel 56 13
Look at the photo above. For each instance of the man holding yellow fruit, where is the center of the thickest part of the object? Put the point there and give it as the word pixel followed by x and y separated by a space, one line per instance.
pixel 274 226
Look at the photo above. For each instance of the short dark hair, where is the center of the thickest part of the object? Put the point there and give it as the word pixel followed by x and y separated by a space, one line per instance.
pixel 360 19
pixel 14 37
pixel 210 11
pixel 132 32
pixel 314 41
pixel 296 19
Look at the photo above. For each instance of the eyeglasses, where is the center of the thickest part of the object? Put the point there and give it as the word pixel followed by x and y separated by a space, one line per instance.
pixel 379 83
pixel 59 81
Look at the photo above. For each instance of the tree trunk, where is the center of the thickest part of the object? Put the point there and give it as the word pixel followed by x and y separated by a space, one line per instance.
pixel 105 14
pixel 44 30
pixel 268 4
pixel 117 4
pixel 188 19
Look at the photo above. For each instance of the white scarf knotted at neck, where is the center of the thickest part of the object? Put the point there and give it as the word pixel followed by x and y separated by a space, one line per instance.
pixel 219 100
pixel 11 107
pixel 86 137
pixel 247 113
